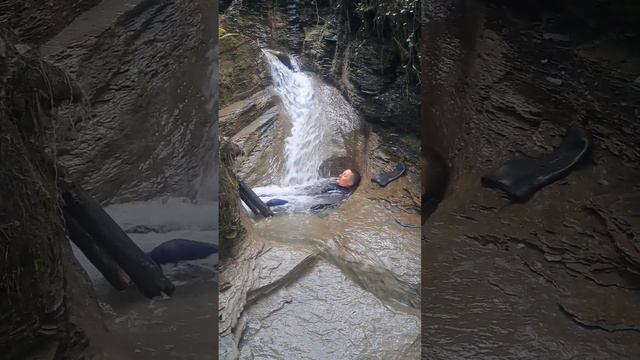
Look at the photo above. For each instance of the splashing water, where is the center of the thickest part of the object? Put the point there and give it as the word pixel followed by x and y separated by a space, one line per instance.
pixel 318 115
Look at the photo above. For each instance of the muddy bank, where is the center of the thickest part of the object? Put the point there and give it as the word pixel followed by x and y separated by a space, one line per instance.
pixel 36 22
pixel 554 277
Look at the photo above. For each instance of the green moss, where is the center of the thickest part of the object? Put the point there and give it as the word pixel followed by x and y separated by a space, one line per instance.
pixel 221 32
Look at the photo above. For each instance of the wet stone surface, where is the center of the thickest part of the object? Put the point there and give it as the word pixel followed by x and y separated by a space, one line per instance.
pixel 557 276
pixel 326 315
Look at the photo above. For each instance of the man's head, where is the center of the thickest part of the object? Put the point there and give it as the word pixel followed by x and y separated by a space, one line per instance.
pixel 348 179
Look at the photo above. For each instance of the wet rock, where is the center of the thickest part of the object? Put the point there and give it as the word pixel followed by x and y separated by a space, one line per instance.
pixel 45 19
pixel 620 215
pixel 592 313
pixel 568 247
pixel 256 140
pixel 238 115
pixel 555 37
pixel 282 28
pixel 554 81
pixel 325 309
pixel 171 111
pixel 237 271
pixel 284 58
pixel 370 67
pixel 243 70
pixel 376 85
pixel 319 53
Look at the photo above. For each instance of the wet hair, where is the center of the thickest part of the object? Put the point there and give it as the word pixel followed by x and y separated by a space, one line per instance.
pixel 356 178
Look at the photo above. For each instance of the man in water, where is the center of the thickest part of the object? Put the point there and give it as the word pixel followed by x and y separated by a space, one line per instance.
pixel 323 195
pixel 348 179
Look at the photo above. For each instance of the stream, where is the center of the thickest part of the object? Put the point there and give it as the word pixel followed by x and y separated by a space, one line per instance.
pixel 343 284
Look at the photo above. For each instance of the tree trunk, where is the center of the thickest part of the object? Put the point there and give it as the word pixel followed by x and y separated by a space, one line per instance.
pixel 143 271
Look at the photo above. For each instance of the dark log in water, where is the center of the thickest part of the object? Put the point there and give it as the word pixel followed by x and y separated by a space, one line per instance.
pixel 101 259
pixel 254 199
pixel 91 216
pixel 246 200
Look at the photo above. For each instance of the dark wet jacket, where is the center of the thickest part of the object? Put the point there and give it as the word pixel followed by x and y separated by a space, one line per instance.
pixel 325 194
pixel 328 194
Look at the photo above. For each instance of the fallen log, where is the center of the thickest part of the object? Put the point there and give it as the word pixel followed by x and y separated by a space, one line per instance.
pixel 144 272
pixel 244 199
pixel 254 199
pixel 107 266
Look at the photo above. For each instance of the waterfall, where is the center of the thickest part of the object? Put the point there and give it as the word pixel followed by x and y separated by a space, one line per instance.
pixel 306 147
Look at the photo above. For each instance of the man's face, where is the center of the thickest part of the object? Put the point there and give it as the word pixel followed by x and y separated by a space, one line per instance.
pixel 346 178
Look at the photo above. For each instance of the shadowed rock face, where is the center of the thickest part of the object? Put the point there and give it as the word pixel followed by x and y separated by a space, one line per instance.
pixel 38 21
pixel 553 277
pixel 143 67
pixel 435 175
pixel 38 283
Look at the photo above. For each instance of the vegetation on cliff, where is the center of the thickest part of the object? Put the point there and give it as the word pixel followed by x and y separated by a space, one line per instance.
pixel 394 20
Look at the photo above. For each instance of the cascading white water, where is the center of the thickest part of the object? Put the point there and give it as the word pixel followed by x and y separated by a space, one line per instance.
pixel 318 114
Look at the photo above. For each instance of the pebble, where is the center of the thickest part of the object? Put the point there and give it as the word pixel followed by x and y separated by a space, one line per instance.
pixel 554 81
pixel 553 257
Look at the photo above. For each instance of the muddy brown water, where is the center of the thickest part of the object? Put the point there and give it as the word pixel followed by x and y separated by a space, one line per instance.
pixel 349 305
